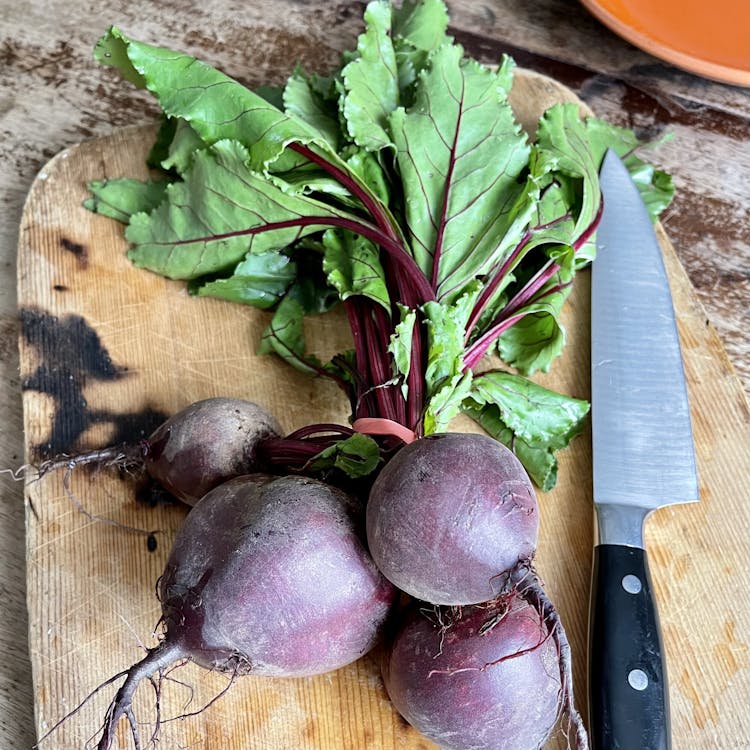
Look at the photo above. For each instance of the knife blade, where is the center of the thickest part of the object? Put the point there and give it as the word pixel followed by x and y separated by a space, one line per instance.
pixel 643 459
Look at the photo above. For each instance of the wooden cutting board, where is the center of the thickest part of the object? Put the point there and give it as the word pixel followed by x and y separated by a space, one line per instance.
pixel 107 349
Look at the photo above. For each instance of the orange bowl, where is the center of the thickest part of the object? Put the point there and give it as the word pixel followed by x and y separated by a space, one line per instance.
pixel 711 39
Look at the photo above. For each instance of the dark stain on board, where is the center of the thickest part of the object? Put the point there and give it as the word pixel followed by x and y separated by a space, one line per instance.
pixel 77 250
pixel 132 427
pixel 70 355
pixel 150 493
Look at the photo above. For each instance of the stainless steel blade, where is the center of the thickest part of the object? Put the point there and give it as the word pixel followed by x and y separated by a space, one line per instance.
pixel 643 446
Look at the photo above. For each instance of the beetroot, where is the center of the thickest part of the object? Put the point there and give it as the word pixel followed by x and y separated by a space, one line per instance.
pixel 461 686
pixel 449 515
pixel 452 519
pixel 196 449
pixel 266 576
pixel 207 443
pixel 494 676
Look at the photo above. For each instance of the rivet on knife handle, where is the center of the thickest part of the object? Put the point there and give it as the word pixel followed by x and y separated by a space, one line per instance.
pixel 628 697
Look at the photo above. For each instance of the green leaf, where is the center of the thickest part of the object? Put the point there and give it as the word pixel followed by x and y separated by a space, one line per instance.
pixel 460 153
pixel 303 100
pixel 655 185
pixel 367 167
pixel 221 211
pixel 216 106
pixel 274 95
pixel 308 295
pixel 310 287
pixel 419 28
pixel 421 23
pixel 534 413
pixel 184 144
pixel 357 456
pixel 531 420
pixel 308 179
pixel 342 367
pixel 563 146
pixel 538 460
pixel 400 346
pixel 121 197
pixel 534 341
pixel 554 220
pixel 447 402
pixel 285 337
pixel 160 148
pixel 371 81
pixel 259 280
pixel 446 330
pixel 447 383
pixel 352 265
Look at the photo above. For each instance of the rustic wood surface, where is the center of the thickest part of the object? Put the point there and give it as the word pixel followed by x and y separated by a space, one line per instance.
pixel 52 96
pixel 134 346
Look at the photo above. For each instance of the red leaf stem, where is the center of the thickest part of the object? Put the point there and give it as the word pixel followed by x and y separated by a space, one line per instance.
pixel 446 195
pixel 490 289
pixel 390 240
pixel 378 365
pixel 352 307
pixel 591 228
pixel 384 326
pixel 374 208
pixel 532 286
pixel 479 348
pixel 323 429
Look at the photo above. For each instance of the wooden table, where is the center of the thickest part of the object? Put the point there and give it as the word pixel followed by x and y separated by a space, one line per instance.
pixel 53 95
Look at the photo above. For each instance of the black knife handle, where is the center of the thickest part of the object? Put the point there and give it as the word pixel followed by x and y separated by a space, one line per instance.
pixel 628 696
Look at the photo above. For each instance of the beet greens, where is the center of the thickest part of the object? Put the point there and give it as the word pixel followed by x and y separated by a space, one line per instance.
pixel 401 186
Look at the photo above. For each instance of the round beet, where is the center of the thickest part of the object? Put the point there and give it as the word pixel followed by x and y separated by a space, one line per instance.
pixel 269 576
pixel 207 443
pixel 449 515
pixel 482 678
pixel 278 565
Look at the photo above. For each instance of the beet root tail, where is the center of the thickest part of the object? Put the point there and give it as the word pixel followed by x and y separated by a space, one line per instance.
pixel 531 590
pixel 123 457
pixel 156 660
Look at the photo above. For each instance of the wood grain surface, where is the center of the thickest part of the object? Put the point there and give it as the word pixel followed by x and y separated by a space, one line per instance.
pixel 118 347
pixel 53 95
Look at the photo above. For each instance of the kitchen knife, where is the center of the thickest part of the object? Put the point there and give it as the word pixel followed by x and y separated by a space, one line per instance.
pixel 643 459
